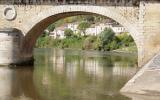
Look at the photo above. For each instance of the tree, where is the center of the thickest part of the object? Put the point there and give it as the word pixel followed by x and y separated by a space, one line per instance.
pixel 83 26
pixel 51 28
pixel 106 36
pixel 68 32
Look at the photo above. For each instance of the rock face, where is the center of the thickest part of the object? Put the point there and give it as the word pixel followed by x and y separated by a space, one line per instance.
pixel 147 80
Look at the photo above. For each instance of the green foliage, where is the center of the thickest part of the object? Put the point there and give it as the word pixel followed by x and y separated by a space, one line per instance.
pixel 83 26
pixel 125 39
pixel 43 41
pixel 68 32
pixel 89 42
pixel 98 44
pixel 70 42
pixel 106 41
pixel 113 45
pixel 107 35
pixel 51 27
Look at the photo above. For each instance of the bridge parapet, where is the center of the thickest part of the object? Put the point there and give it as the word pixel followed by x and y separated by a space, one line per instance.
pixel 76 2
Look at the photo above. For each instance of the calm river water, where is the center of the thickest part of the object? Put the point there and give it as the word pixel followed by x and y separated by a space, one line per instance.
pixel 68 75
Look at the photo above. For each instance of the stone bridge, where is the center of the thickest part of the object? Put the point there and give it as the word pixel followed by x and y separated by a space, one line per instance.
pixel 23 21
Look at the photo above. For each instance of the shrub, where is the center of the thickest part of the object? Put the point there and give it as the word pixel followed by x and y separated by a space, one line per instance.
pixel 114 45
pixel 125 39
pixel 83 26
pixel 68 32
pixel 88 42
pixel 43 41
pixel 97 44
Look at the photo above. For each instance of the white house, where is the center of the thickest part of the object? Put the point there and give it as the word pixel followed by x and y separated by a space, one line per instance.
pixel 93 30
pixel 118 29
pixel 100 27
pixel 58 32
pixel 73 27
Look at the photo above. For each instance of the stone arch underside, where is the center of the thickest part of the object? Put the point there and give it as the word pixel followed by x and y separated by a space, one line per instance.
pixel 35 26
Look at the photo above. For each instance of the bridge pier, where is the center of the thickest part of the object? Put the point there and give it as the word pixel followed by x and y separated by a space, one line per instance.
pixel 10 46
pixel 147 80
pixel 149 26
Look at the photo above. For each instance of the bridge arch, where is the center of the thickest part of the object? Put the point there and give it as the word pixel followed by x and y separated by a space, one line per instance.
pixel 35 26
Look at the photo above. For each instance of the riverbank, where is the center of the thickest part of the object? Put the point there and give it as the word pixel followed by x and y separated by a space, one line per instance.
pixel 92 52
pixel 146 81
pixel 106 41
pixel 131 49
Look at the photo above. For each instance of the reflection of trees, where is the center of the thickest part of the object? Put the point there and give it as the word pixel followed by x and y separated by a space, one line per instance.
pixel 83 76
pixel 123 59
pixel 106 61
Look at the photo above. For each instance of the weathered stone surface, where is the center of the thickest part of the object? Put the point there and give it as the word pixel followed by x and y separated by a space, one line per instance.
pixel 142 97
pixel 147 80
pixel 10 45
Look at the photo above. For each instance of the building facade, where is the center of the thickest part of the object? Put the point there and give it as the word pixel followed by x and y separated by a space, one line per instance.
pixel 93 30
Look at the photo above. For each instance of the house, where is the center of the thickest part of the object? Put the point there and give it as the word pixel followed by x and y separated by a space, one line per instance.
pixel 73 27
pixel 95 29
pixel 118 29
pixel 58 32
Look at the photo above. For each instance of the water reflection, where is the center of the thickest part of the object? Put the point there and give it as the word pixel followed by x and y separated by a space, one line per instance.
pixel 69 75
pixel 82 75
pixel 17 84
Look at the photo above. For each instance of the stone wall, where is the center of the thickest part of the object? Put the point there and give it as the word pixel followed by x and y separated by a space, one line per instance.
pixel 149 24
pixel 9 46
pixel 26 14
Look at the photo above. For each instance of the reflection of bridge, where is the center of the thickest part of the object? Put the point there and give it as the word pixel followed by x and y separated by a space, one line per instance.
pixel 23 21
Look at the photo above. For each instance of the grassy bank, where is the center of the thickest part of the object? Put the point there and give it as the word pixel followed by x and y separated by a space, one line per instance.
pixel 131 49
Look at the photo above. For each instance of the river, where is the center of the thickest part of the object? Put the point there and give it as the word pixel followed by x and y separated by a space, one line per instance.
pixel 69 75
